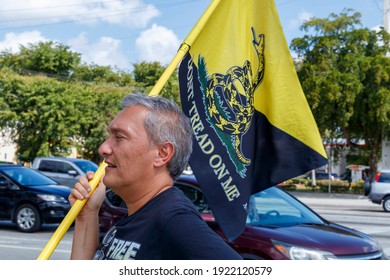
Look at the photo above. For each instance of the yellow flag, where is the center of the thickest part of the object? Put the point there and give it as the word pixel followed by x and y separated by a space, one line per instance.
pixel 252 124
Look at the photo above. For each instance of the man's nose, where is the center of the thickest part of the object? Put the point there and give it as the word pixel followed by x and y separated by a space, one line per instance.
pixel 104 148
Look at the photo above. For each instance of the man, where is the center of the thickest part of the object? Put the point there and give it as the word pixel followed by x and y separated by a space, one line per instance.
pixel 148 147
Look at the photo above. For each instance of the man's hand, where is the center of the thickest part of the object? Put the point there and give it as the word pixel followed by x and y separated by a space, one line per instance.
pixel 81 190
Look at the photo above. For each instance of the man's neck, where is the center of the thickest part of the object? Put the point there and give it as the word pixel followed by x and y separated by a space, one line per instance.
pixel 136 201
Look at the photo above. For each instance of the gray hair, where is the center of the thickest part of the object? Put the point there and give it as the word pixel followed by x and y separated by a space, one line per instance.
pixel 165 123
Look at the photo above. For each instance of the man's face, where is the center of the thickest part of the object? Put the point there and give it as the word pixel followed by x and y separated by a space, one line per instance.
pixel 127 150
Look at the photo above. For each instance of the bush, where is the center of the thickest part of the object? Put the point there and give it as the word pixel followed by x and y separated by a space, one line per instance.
pixel 336 186
pixel 357 187
pixel 288 185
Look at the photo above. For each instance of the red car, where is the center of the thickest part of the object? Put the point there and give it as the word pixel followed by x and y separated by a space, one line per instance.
pixel 279 227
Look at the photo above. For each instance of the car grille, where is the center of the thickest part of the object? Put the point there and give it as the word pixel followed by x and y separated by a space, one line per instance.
pixel 370 256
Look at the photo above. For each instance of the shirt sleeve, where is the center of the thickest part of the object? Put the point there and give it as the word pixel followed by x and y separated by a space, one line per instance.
pixel 186 236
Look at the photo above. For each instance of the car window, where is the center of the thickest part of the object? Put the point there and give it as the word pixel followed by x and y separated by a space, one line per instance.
pixel 322 176
pixel 86 166
pixel 4 182
pixel 28 177
pixel 384 178
pixel 273 207
pixel 47 166
pixel 115 199
pixel 64 167
pixel 196 196
pixel 55 166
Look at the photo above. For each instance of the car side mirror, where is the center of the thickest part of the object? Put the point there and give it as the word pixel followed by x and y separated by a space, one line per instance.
pixel 72 173
pixel 4 184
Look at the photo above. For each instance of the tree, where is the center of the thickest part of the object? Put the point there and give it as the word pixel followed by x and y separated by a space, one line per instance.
pixel 102 74
pixel 43 119
pixel 49 117
pixel 344 72
pixel 147 74
pixel 48 58
pixel 51 103
pixel 103 103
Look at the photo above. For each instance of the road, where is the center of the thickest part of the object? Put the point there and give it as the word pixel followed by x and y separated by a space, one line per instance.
pixel 15 245
pixel 352 211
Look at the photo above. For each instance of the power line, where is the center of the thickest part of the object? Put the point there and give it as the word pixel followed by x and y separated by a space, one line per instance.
pixel 56 20
pixel 56 7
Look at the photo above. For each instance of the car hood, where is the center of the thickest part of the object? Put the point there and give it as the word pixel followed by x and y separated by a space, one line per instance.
pixel 328 237
pixel 51 189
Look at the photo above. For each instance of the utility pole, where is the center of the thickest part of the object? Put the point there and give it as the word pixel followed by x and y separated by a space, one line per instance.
pixel 385 162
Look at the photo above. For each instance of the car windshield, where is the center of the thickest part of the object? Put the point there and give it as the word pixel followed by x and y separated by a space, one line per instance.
pixel 273 207
pixel 384 177
pixel 86 166
pixel 27 176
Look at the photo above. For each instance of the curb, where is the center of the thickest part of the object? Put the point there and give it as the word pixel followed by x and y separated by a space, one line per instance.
pixel 327 195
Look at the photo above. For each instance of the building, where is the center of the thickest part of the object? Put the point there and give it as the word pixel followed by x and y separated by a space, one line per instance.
pixel 7 148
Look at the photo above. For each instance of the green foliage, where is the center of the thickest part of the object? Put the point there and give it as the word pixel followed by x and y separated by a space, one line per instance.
pixel 101 104
pixel 337 186
pixel 49 117
pixel 357 188
pixel 102 74
pixel 359 159
pixel 146 76
pixel 288 186
pixel 50 103
pixel 344 72
pixel 44 57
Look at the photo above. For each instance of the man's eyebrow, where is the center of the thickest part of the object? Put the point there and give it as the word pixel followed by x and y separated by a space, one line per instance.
pixel 116 130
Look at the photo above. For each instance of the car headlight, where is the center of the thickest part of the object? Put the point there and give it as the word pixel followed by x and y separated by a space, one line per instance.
pixel 294 252
pixel 51 197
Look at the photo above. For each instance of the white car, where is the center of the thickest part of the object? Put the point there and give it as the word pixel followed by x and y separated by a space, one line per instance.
pixel 380 189
pixel 65 171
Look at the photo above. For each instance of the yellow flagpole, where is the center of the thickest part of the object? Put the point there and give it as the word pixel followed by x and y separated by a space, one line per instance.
pixel 169 70
pixel 79 204
pixel 70 216
pixel 184 48
pixel 191 37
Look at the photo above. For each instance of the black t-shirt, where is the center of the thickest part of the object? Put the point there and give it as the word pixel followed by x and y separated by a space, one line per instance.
pixel 167 227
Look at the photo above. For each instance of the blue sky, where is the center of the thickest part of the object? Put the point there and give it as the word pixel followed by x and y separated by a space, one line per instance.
pixel 120 33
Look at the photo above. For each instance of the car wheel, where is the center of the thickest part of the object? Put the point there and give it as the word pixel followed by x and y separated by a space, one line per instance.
pixel 386 204
pixel 27 218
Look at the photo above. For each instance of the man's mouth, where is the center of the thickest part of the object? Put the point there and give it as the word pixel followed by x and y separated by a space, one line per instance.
pixel 109 164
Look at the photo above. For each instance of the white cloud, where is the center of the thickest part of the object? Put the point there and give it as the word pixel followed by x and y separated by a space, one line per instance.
pixel 106 52
pixel 12 41
pixel 133 13
pixel 302 17
pixel 157 44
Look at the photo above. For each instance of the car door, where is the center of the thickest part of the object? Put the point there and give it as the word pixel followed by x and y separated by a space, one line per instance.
pixel 62 172
pixel 8 193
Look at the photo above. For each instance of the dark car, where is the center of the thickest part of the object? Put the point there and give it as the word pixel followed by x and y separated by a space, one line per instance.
pixel 323 175
pixel 279 227
pixel 30 199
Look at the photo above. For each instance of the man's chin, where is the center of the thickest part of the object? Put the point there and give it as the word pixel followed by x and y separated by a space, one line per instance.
pixel 107 181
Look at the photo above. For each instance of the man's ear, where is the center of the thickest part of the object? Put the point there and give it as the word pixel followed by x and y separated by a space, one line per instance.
pixel 165 153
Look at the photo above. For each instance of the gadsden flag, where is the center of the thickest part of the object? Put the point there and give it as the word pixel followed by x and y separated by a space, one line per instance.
pixel 252 125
